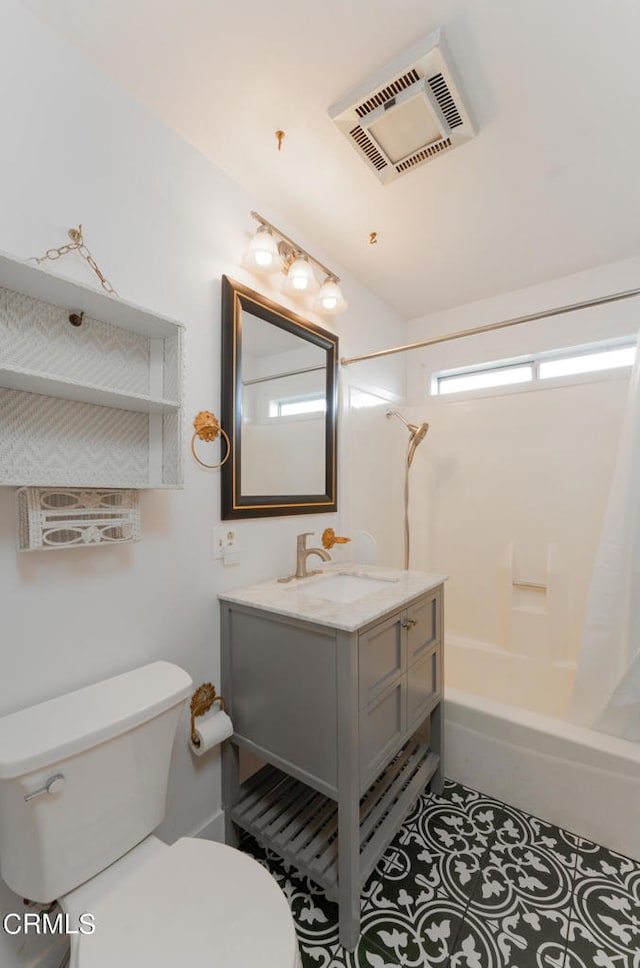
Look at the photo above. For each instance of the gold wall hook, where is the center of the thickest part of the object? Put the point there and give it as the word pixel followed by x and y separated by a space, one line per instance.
pixel 330 538
pixel 280 138
pixel 201 702
pixel 207 428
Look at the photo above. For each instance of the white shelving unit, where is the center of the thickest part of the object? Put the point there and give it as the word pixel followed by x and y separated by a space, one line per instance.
pixel 97 405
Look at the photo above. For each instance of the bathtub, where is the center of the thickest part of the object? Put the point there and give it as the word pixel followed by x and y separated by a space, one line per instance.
pixel 579 779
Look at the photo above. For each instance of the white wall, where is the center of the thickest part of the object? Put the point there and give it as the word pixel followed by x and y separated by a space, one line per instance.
pixel 513 485
pixel 163 224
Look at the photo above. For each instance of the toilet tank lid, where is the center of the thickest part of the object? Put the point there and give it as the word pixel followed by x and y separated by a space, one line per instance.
pixel 54 730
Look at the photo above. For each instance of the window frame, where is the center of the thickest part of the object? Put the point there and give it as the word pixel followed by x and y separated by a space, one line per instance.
pixel 535 361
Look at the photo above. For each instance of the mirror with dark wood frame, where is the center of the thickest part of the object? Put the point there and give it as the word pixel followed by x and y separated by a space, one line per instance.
pixel 279 408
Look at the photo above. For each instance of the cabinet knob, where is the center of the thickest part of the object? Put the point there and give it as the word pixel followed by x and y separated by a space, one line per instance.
pixel 410 623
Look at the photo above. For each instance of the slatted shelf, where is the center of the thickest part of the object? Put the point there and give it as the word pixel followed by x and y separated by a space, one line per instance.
pixel 301 825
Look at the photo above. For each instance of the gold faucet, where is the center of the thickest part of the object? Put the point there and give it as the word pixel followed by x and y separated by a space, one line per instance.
pixel 302 554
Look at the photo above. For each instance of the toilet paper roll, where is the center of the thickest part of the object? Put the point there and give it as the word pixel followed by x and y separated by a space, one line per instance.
pixel 211 732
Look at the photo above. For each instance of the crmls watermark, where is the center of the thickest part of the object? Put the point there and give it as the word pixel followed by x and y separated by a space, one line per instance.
pixel 32 922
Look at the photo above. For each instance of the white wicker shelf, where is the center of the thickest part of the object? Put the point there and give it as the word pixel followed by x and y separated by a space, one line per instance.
pixel 50 287
pixel 98 405
pixel 18 378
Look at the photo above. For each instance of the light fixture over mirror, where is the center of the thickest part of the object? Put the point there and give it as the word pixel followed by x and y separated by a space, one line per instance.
pixel 262 256
pixel 329 299
pixel 300 277
pixel 266 255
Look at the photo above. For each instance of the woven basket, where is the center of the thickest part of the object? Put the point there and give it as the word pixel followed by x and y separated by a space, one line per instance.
pixel 49 518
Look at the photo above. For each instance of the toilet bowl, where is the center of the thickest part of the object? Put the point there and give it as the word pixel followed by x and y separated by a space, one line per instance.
pixel 195 903
pixel 83 782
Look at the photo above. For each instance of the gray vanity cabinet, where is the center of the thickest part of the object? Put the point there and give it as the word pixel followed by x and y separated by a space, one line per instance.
pixel 399 681
pixel 349 726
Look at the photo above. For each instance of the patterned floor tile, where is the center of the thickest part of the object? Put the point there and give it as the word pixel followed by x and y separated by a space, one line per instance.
pixel 605 917
pixel 522 901
pixel 452 792
pixel 469 882
pixel 388 939
pixel 405 876
pixel 510 942
pixel 422 936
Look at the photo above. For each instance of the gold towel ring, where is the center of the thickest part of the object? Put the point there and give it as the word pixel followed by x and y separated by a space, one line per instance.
pixel 207 428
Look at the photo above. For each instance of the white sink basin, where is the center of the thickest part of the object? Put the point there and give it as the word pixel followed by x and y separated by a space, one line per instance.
pixel 344 588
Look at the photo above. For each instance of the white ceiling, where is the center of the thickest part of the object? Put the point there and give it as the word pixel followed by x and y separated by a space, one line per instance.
pixel 550 185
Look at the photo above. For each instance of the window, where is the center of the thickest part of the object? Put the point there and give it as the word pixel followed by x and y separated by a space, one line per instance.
pixel 497 376
pixel 589 362
pixel 596 358
pixel 296 406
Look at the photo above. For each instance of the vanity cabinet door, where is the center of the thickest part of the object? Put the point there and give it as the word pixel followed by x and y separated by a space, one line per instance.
pixel 423 630
pixel 381 657
pixel 382 728
pixel 424 659
pixel 423 687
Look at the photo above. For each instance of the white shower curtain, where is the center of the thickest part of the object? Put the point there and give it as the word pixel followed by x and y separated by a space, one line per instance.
pixel 607 688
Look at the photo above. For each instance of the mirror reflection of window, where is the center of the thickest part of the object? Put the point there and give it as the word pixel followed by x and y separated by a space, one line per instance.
pixel 283 411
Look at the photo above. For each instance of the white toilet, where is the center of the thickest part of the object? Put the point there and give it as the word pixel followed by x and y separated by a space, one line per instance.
pixel 83 782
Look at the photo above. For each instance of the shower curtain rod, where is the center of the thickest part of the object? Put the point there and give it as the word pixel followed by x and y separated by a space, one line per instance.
pixel 490 327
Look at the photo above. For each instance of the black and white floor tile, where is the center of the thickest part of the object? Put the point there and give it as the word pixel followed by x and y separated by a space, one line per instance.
pixel 470 882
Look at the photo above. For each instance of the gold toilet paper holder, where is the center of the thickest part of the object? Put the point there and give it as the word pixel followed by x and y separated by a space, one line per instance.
pixel 201 702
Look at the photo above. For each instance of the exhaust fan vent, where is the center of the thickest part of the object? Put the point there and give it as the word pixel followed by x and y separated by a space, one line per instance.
pixel 443 96
pixel 367 146
pixel 423 155
pixel 387 93
pixel 407 113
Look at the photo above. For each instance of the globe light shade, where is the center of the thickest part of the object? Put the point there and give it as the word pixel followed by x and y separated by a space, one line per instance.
pixel 262 256
pixel 329 299
pixel 300 277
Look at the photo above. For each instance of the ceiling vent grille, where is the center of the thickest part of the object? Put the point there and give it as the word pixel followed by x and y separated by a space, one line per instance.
pixel 367 146
pixel 407 113
pixel 442 95
pixel 423 155
pixel 387 93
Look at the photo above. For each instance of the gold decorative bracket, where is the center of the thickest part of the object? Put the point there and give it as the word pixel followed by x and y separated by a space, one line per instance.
pixel 207 428
pixel 330 538
pixel 201 702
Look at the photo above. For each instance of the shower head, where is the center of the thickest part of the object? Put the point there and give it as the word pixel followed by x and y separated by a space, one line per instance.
pixel 417 437
pixel 417 433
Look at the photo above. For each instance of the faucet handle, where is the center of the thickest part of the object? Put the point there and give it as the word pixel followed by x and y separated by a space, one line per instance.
pixel 302 538
pixel 330 538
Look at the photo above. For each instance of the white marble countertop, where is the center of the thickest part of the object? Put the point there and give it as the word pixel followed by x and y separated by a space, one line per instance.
pixel 302 598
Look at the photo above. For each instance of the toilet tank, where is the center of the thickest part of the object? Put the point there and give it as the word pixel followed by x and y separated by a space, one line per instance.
pixel 110 743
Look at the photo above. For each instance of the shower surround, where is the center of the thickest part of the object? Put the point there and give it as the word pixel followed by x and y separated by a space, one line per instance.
pixel 508 499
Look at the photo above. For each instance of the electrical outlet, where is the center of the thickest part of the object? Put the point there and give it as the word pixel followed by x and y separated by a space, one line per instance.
pixel 224 541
